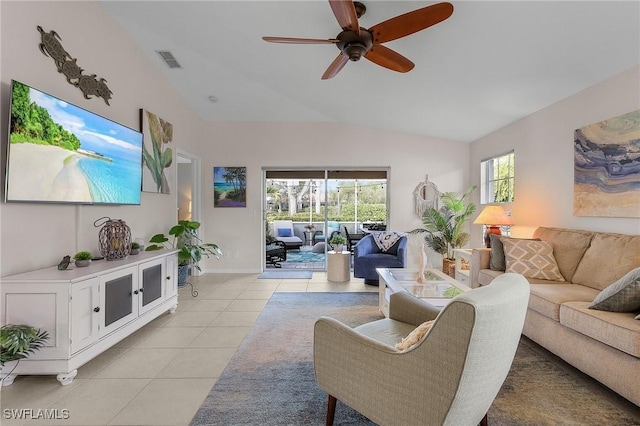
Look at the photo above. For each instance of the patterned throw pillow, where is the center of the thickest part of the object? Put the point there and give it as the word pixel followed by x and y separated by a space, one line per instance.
pixel 415 336
pixel 497 261
pixel 533 259
pixel 621 296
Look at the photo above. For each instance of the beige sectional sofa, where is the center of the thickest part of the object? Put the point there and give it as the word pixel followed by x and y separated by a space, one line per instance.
pixel 602 344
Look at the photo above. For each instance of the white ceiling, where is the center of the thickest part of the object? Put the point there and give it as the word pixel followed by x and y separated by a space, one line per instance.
pixel 488 65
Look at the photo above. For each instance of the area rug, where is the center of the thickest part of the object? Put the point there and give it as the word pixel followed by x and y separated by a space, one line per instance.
pixel 269 380
pixel 304 256
pixel 301 275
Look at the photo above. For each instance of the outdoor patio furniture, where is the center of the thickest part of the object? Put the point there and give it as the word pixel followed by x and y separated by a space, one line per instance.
pixel 276 253
pixel 332 228
pixel 352 239
pixel 283 231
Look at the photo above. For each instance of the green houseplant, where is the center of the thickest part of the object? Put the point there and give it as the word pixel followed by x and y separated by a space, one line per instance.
pixel 135 248
pixel 82 258
pixel 337 241
pixel 185 239
pixel 444 227
pixel 19 341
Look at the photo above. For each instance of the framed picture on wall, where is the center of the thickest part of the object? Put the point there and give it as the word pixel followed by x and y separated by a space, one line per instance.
pixel 157 155
pixel 607 168
pixel 230 187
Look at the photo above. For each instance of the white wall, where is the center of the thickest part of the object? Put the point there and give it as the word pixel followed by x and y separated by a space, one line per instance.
pixel 543 144
pixel 38 235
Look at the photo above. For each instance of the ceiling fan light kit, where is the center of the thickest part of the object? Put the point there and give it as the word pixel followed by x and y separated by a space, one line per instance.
pixel 355 42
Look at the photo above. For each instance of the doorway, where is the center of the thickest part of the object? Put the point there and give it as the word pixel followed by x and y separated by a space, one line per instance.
pixel 321 203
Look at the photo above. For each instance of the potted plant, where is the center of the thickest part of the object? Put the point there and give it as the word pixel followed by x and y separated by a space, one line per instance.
pixel 18 342
pixel 444 227
pixel 337 241
pixel 82 258
pixel 135 248
pixel 192 249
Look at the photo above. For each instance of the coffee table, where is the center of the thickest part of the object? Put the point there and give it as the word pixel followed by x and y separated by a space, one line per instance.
pixel 438 288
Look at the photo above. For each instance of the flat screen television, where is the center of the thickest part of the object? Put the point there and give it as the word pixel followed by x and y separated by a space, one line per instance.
pixel 60 153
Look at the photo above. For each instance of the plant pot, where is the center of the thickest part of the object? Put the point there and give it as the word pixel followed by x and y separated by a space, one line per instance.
pixel 82 263
pixel 338 248
pixel 135 251
pixel 449 267
pixel 183 274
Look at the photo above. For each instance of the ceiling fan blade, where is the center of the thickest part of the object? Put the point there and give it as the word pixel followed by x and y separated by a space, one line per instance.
pixel 410 22
pixel 335 67
pixel 293 40
pixel 345 13
pixel 388 58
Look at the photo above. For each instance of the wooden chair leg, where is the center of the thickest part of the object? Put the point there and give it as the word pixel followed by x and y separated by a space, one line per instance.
pixel 484 421
pixel 331 410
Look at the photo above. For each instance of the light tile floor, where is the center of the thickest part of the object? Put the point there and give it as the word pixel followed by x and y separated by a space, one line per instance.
pixel 161 374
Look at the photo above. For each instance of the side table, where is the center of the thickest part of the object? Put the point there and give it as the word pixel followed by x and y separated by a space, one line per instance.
pixel 338 269
pixel 462 274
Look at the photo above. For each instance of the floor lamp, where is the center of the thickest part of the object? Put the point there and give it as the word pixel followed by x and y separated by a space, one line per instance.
pixel 492 217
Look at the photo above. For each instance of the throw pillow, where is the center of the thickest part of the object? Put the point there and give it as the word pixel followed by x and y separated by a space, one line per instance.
pixel 621 296
pixel 638 317
pixel 284 232
pixel 414 337
pixel 497 262
pixel 533 259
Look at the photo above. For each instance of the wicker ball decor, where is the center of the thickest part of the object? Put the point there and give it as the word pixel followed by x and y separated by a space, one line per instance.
pixel 114 238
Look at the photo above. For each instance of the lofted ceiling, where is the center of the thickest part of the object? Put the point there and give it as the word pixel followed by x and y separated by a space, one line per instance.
pixel 488 65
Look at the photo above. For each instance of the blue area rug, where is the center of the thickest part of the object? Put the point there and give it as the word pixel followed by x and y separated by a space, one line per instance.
pixel 304 257
pixel 300 275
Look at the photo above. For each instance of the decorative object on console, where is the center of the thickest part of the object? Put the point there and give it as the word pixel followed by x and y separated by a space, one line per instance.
pixel 607 168
pixel 135 248
pixel 230 187
pixel 114 238
pixel 492 217
pixel 192 249
pixel 50 46
pixel 82 259
pixel 444 227
pixel 19 341
pixel 64 263
pixel 157 155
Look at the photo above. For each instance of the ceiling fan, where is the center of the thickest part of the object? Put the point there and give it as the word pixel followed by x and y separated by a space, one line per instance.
pixel 355 42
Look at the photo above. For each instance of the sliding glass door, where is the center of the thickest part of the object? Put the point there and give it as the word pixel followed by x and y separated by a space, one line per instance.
pixel 320 204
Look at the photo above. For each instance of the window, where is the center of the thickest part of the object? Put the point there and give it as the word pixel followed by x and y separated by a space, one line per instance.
pixel 496 177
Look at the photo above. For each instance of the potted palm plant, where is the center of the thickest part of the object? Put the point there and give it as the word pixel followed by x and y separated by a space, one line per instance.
pixel 444 227
pixel 192 249
pixel 18 342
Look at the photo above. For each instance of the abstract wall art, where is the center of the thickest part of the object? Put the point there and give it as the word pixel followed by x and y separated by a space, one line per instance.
pixel 607 168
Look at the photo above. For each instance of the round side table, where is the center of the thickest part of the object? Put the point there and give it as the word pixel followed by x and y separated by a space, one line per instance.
pixel 338 269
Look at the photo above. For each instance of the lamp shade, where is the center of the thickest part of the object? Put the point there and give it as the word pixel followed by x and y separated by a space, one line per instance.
pixel 493 215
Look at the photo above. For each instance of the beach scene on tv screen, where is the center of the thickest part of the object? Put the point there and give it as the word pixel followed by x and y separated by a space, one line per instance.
pixel 62 153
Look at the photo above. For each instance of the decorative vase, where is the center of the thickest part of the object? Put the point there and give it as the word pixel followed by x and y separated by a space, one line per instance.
pixel 449 267
pixel 82 263
pixel 183 273
pixel 114 238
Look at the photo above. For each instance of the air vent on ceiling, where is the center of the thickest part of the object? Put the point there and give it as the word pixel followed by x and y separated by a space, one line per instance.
pixel 168 58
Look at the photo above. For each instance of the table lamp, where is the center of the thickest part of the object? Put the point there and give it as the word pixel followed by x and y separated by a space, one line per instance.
pixel 492 217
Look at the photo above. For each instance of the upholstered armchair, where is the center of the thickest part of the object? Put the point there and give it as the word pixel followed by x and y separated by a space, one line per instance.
pixel 367 256
pixel 449 377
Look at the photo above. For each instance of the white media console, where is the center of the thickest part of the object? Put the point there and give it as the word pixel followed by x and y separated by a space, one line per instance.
pixel 86 310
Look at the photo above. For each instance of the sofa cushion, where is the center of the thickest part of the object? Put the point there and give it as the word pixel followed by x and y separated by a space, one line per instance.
pixel 497 262
pixel 547 298
pixel 621 296
pixel 569 246
pixel 615 329
pixel 608 258
pixel 533 259
pixel 485 276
